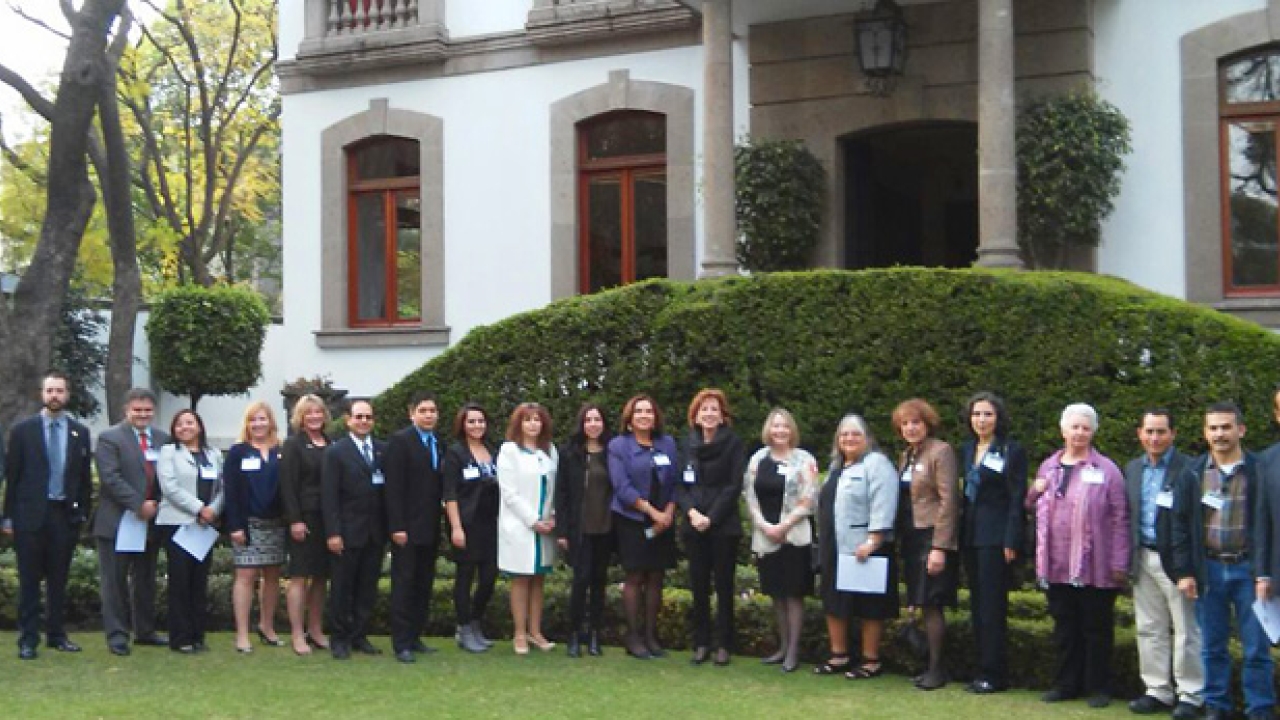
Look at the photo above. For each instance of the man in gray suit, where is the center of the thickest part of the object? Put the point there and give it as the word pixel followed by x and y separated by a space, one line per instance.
pixel 125 457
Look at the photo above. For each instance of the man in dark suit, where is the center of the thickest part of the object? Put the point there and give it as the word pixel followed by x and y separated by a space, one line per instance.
pixel 45 502
pixel 1168 636
pixel 351 501
pixel 126 459
pixel 415 489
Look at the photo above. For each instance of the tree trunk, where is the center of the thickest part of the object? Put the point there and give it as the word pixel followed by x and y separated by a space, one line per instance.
pixel 26 342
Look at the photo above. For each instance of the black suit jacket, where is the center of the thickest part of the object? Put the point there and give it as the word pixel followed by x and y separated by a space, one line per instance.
pixel 351 503
pixel 415 489
pixel 1133 488
pixel 26 496
pixel 995 517
pixel 718 468
pixel 1267 520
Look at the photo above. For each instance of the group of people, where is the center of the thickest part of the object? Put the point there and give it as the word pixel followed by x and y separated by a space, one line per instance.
pixel 1197 538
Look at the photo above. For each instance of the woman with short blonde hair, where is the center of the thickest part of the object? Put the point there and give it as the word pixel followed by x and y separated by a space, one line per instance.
pixel 301 460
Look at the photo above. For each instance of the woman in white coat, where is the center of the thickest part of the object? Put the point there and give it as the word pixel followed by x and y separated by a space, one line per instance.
pixel 526 519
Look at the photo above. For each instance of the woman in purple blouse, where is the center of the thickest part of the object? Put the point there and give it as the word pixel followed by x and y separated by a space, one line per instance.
pixel 1082 555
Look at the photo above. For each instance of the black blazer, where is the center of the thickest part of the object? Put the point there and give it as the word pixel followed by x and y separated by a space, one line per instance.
pixel 1268 517
pixel 415 489
pixel 1186 554
pixel 468 493
pixel 718 467
pixel 995 517
pixel 301 464
pixel 351 503
pixel 1133 488
pixel 26 497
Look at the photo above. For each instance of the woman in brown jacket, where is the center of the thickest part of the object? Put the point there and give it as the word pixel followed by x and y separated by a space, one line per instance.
pixel 928 525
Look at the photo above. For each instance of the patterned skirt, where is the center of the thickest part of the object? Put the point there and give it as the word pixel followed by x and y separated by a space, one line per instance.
pixel 266 545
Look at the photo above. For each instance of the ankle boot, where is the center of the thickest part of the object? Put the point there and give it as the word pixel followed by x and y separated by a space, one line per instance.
pixel 575 644
pixel 478 634
pixel 467 640
pixel 593 644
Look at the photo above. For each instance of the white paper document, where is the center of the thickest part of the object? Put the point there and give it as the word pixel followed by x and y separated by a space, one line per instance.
pixel 1269 615
pixel 131 535
pixel 871 576
pixel 196 539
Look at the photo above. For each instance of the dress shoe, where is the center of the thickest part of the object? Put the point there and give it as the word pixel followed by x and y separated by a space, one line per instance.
pixel 316 643
pixel 520 644
pixel 1099 700
pixel 340 651
pixel 364 646
pixel 700 655
pixel 200 646
pixel 637 649
pixel 774 659
pixel 655 650
pixel 541 643
pixel 789 665
pixel 593 644
pixel 119 648
pixel 270 641
pixel 27 652
pixel 1057 695
pixel 722 657
pixel 985 687
pixel 932 681
pixel 1186 711
pixel 575 645
pixel 244 650
pixel 1148 705
pixel 421 648
pixel 468 641
pixel 186 649
pixel 478 634
pixel 153 641
pixel 64 645
pixel 406 656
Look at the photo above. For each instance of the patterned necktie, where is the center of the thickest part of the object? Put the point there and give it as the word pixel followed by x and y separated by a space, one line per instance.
pixel 367 448
pixel 149 467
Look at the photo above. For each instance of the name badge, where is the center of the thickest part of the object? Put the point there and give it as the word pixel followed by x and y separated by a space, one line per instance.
pixel 471 473
pixel 1165 500
pixel 784 469
pixel 251 463
pixel 1093 476
pixel 994 463
pixel 906 476
pixel 208 472
pixel 378 478
pixel 661 459
pixel 690 477
pixel 151 455
pixel 1213 500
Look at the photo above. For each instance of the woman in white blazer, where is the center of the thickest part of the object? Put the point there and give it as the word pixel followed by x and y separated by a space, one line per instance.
pixel 190 475
pixel 526 519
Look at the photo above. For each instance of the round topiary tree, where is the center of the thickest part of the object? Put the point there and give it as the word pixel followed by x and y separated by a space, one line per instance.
pixel 779 189
pixel 207 341
pixel 823 343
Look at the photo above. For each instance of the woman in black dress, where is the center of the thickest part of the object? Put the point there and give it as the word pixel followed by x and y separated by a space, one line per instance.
pixel 471 502
pixel 781 486
pixel 995 487
pixel 584 525
pixel 301 458
pixel 711 483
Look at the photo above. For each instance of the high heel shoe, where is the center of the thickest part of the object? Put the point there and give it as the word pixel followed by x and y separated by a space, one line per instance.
pixel 273 642
pixel 520 644
pixel 316 643
pixel 542 643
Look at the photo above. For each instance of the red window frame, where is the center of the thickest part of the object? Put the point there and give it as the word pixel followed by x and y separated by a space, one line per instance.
pixel 388 189
pixel 1231 114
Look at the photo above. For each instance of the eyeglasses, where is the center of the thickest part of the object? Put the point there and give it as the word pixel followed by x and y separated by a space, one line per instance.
pixel 362 417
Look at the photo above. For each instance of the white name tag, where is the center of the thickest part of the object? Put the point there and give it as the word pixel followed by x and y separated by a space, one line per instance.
pixel 251 463
pixel 1093 476
pixel 208 472
pixel 471 473
pixel 378 479
pixel 661 459
pixel 784 470
pixel 690 477
pixel 1165 500
pixel 151 455
pixel 994 463
pixel 906 476
pixel 1212 500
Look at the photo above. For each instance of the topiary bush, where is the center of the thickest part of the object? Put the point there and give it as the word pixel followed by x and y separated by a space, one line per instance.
pixel 822 343
pixel 779 189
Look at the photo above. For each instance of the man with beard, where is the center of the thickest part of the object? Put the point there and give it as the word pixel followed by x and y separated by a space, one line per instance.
pixel 45 503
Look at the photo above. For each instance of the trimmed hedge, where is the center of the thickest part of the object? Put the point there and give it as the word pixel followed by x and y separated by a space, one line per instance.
pixel 825 342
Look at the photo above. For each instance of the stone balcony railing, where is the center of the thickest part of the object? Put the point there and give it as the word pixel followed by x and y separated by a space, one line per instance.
pixel 347 35
pixel 554 22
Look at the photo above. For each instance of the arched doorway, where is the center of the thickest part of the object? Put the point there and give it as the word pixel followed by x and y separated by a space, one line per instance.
pixel 911 196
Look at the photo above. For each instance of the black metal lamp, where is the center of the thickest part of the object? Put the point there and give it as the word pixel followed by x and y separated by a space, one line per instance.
pixel 881 38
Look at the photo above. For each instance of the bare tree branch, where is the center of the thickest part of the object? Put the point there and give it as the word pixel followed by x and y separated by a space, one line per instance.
pixel 17 10
pixel 42 105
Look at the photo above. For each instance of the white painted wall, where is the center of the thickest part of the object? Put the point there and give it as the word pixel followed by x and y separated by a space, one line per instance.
pixel 291 26
pixel 1137 61
pixel 472 17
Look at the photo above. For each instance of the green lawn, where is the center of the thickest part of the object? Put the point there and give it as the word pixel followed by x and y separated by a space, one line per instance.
pixel 272 682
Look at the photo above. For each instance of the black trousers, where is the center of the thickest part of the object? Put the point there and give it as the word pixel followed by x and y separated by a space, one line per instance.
pixel 353 589
pixel 590 575
pixel 127 587
pixel 44 555
pixel 188 593
pixel 413 574
pixel 468 606
pixel 711 555
pixel 1084 633
pixel 989 578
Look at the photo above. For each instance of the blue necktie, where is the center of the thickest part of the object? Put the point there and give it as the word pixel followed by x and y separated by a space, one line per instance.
pixel 57 460
pixel 367 449
pixel 431 443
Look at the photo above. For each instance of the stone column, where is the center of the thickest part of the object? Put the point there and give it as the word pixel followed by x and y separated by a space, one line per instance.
pixel 997 165
pixel 719 223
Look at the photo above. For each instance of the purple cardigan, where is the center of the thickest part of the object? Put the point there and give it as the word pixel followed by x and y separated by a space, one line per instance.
pixel 1082 537
pixel 630 466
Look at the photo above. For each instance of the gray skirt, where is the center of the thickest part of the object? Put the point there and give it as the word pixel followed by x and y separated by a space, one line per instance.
pixel 266 545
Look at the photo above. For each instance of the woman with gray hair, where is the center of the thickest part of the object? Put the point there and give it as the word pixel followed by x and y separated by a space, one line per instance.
pixel 1082 555
pixel 856 510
